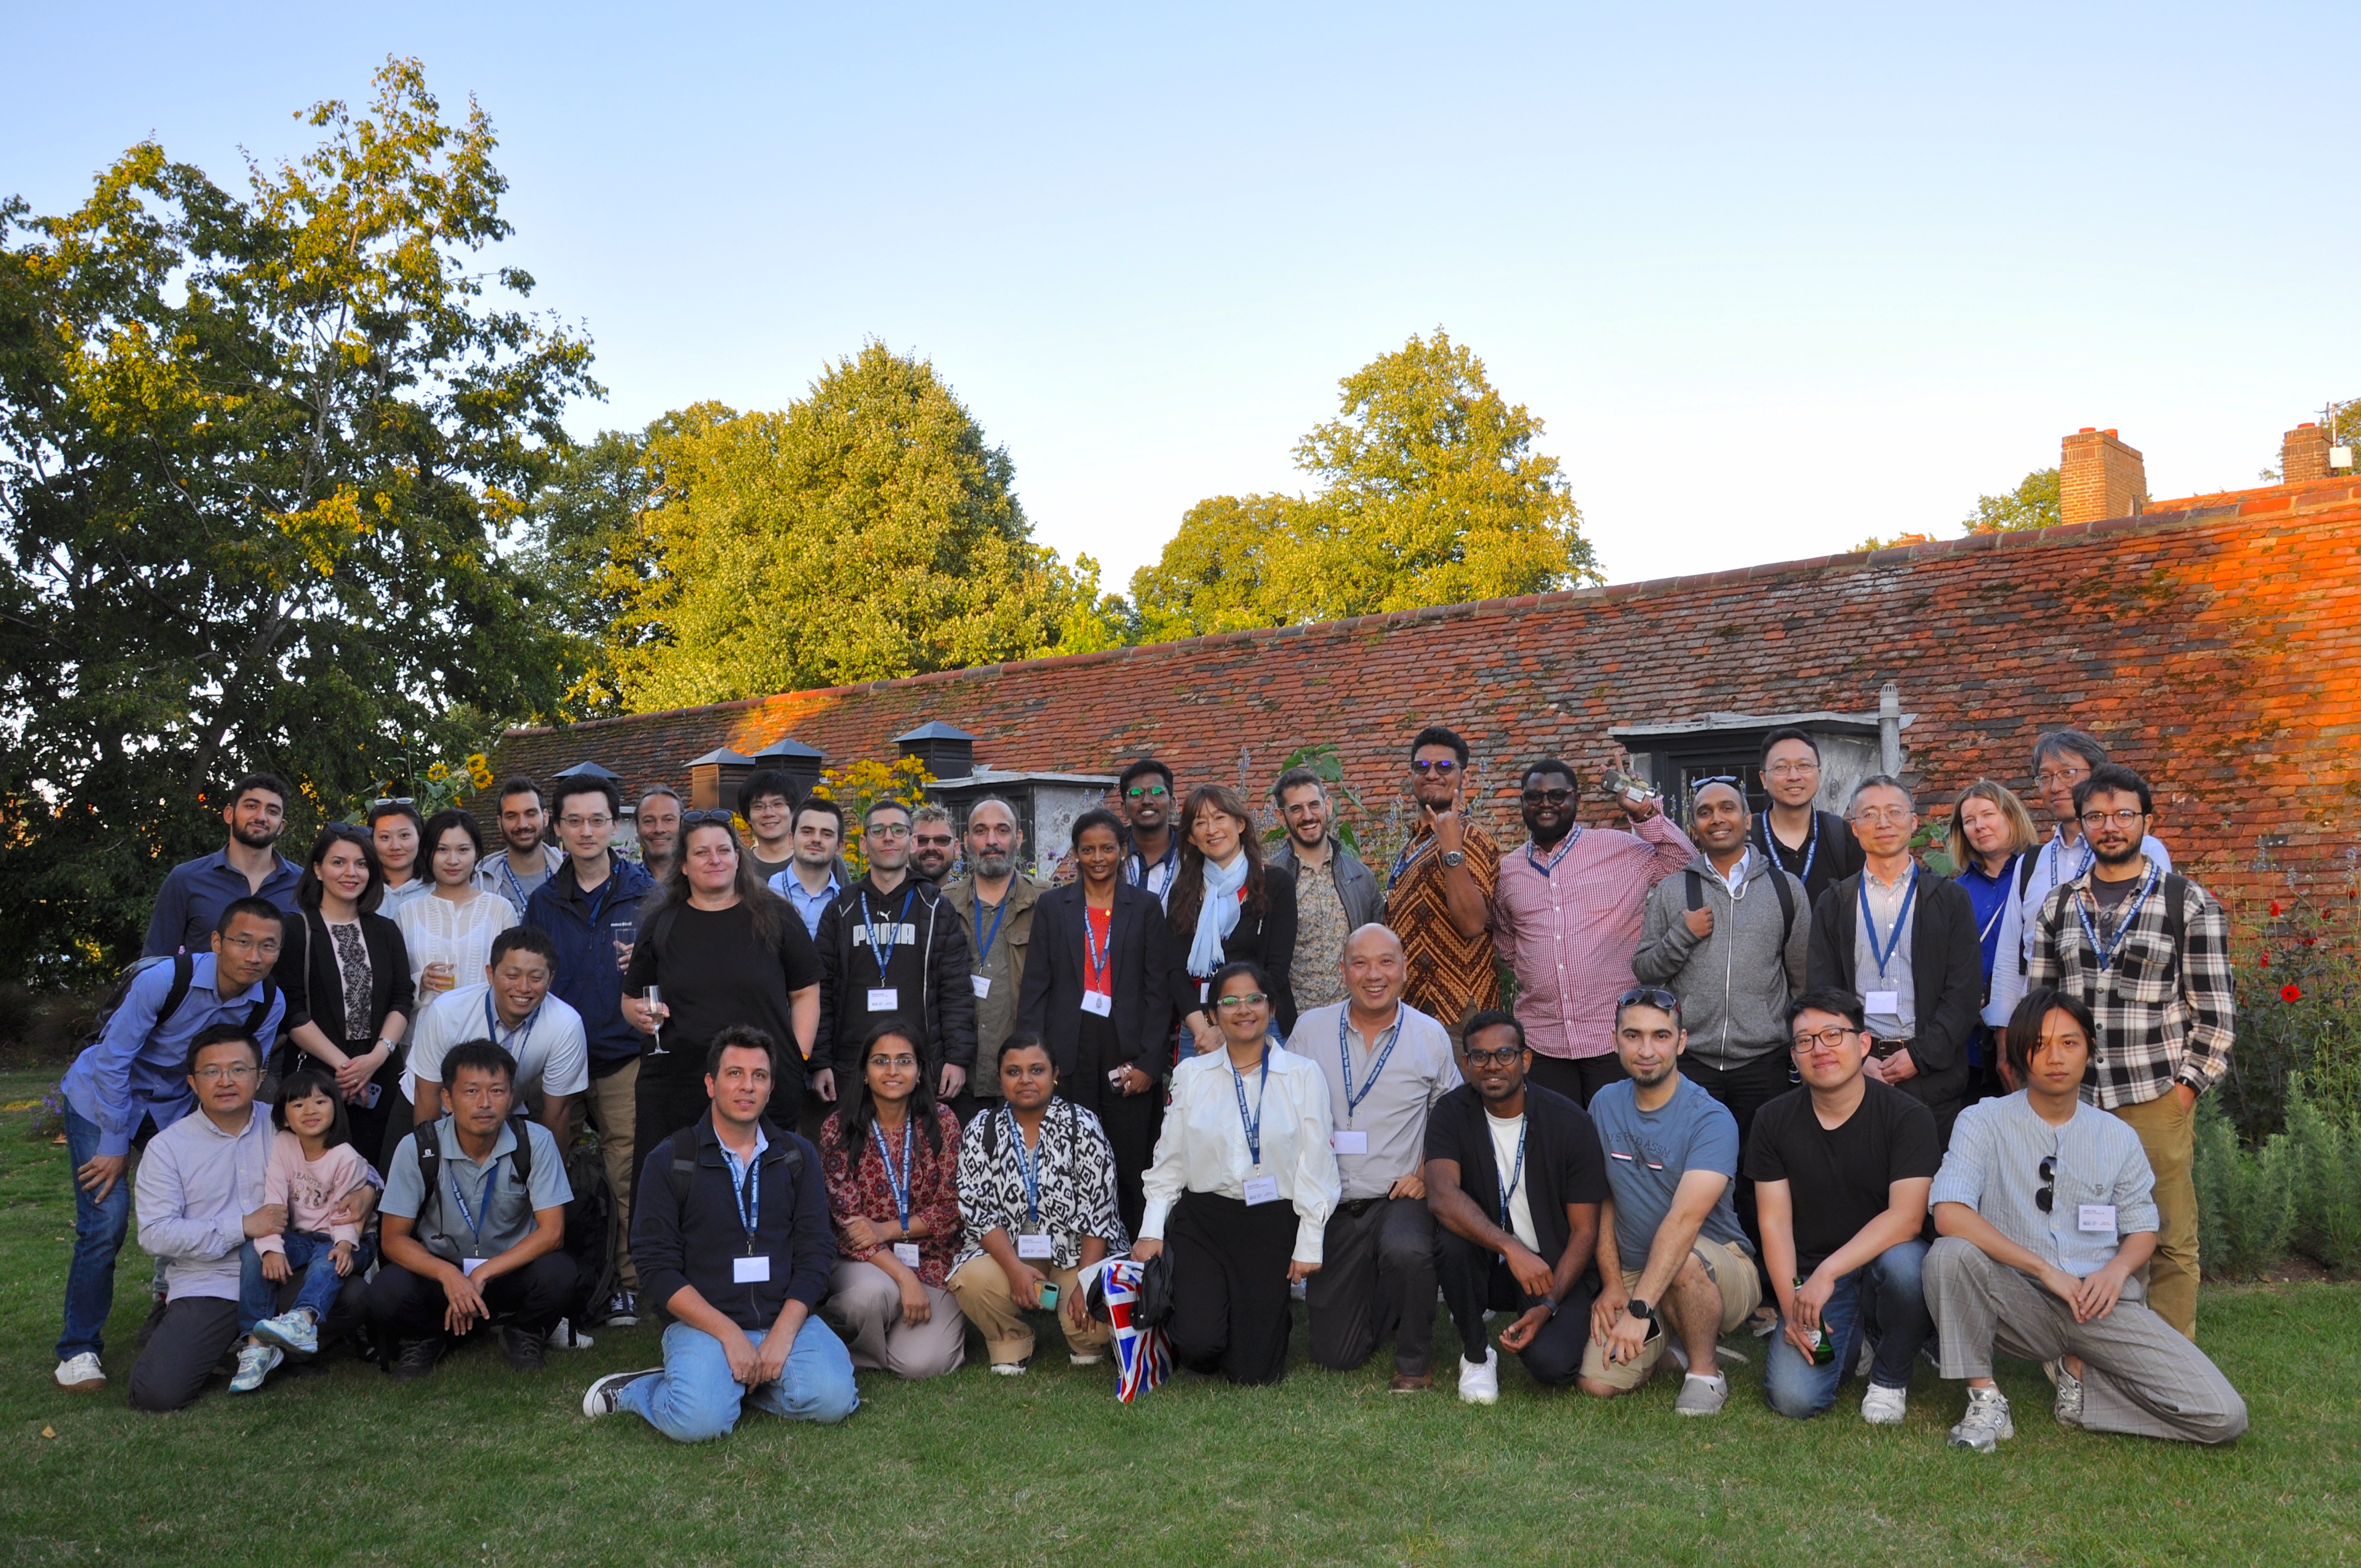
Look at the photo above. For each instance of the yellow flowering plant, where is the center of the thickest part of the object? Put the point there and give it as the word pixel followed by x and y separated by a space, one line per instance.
pixel 857 786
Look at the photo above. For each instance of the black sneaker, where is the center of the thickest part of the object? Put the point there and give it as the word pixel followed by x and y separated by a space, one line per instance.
pixel 526 1348
pixel 622 1310
pixel 414 1359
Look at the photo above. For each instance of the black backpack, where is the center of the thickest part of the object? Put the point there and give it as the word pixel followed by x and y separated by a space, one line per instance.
pixel 1778 882
pixel 184 971
pixel 594 1233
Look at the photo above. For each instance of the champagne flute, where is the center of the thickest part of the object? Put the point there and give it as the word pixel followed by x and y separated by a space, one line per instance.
pixel 654 997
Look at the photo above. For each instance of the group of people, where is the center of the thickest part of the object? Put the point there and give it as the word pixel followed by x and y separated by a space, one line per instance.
pixel 1765 1073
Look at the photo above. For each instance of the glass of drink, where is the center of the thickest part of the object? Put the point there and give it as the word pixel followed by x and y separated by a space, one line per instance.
pixel 654 1000
pixel 625 930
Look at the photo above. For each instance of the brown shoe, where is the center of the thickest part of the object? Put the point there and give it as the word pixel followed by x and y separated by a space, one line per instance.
pixel 1410 1383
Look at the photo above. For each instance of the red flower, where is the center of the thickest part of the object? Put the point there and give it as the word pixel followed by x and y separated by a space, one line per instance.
pixel 2266 960
pixel 2310 941
pixel 2275 909
pixel 2290 993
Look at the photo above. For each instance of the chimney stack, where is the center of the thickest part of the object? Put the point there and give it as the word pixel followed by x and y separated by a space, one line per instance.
pixel 2099 476
pixel 2304 455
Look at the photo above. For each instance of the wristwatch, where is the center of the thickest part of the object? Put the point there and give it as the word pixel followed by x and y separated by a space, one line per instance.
pixel 1455 858
pixel 1640 1309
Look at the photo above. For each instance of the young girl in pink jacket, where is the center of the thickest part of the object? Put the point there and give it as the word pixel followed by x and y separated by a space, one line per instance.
pixel 314 1168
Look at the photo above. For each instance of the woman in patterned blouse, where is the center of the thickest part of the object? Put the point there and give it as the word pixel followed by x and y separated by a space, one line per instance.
pixel 1037 1197
pixel 889 1156
pixel 347 976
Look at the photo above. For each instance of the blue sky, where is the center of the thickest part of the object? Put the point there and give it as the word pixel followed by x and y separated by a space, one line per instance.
pixel 1775 281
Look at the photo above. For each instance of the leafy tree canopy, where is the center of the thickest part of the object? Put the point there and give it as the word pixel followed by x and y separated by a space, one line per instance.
pixel 2033 504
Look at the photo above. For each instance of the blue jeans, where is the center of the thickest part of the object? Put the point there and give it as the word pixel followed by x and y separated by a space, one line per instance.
pixel 1881 1299
pixel 99 1227
pixel 309 1254
pixel 696 1398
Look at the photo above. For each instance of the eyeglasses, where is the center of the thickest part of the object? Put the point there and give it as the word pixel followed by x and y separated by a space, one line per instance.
pixel 890 830
pixel 1884 816
pixel 266 946
pixel 1504 1056
pixel 937 841
pixel 603 820
pixel 2052 778
pixel 1146 792
pixel 904 1063
pixel 1232 1004
pixel 1791 769
pixel 2049 1194
pixel 238 1074
pixel 1654 996
pixel 2094 820
pixel 699 818
pixel 1546 796
pixel 1831 1038
pixel 1422 768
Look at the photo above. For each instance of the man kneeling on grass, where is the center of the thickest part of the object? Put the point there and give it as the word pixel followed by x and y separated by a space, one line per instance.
pixel 733 1240
pixel 474 1220
pixel 2047 1209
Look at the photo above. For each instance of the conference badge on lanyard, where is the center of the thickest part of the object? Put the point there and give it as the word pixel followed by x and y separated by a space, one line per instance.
pixel 754 1269
pixel 2109 950
pixel 1886 1001
pixel 1032 1242
pixel 905 1253
pixel 1260 1188
pixel 1349 1139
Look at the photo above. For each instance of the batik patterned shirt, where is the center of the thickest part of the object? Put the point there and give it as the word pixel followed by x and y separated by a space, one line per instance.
pixel 1450 975
pixel 1074 1166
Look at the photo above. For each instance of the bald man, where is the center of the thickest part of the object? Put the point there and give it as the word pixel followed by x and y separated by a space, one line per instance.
pixel 995 902
pixel 1387 1063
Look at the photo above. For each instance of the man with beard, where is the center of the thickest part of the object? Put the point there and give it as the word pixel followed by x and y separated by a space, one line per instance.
pixel 995 902
pixel 933 847
pixel 2062 759
pixel 189 909
pixel 525 861
pixel 1439 892
pixel 1335 895
pixel 658 824
pixel 1566 918
pixel 1154 858
pixel 2147 951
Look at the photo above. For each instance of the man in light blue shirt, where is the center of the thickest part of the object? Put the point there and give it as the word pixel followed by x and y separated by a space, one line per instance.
pixel 2047 1210
pixel 810 880
pixel 133 1083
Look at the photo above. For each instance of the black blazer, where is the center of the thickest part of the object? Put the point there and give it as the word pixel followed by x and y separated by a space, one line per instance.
pixel 1139 963
pixel 315 990
pixel 1947 963
pixel 1267 938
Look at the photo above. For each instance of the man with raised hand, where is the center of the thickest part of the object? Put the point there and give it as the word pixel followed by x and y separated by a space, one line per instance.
pixel 189 907
pixel 1439 891
pixel 995 902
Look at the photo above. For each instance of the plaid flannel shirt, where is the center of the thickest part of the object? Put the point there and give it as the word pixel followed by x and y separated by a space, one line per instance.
pixel 2155 1030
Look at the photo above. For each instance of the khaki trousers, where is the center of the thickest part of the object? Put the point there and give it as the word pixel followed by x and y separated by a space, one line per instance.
pixel 612 1104
pixel 985 1300
pixel 2168 1134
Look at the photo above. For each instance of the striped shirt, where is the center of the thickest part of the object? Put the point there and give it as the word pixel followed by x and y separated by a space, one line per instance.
pixel 1450 975
pixel 1994 1168
pixel 1567 933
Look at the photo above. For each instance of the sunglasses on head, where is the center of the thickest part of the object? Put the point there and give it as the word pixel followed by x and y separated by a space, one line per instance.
pixel 700 818
pixel 1654 996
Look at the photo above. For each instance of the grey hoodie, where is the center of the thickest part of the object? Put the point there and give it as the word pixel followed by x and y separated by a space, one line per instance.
pixel 1733 984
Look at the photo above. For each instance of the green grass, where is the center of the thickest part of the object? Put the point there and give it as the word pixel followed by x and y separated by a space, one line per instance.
pixel 480 1466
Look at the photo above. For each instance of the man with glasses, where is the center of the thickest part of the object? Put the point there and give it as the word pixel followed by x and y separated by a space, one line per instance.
pixel 994 903
pixel 2062 761
pixel 133 1083
pixel 1439 892
pixel 1566 917
pixel 933 848
pixel 1840 1170
pixel 525 861
pixel 1904 942
pixel 657 825
pixel 1154 858
pixel 189 907
pixel 1815 847
pixel 892 946
pixel 1335 893
pixel 2045 1216
pixel 2148 953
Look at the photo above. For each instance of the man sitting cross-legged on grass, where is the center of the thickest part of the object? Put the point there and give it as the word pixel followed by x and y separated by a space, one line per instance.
pixel 1515 1178
pixel 477 1238
pixel 1840 1170
pixel 1672 1260
pixel 2047 1212
pixel 732 1238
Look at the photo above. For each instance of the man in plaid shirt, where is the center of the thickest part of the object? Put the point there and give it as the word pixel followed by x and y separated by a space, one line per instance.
pixel 2148 953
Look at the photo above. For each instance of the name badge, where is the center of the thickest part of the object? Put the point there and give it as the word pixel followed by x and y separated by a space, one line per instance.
pixel 1262 1189
pixel 1099 1001
pixel 2099 1219
pixel 1344 1141
pixel 750 1270
pixel 907 1254
pixel 1036 1244
pixel 1886 1001
pixel 983 984
pixel 884 998
pixel 467 1266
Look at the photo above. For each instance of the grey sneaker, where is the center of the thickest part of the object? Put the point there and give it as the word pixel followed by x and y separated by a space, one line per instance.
pixel 604 1397
pixel 2068 1407
pixel 1701 1396
pixel 1986 1425
pixel 255 1362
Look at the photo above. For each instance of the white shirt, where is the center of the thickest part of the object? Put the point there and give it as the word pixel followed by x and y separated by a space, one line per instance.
pixel 1203 1145
pixel 1505 1134
pixel 1734 878
pixel 435 930
pixel 553 1056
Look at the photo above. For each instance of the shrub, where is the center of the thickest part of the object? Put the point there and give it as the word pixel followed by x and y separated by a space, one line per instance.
pixel 2245 1199
pixel 2299 1011
pixel 2326 1154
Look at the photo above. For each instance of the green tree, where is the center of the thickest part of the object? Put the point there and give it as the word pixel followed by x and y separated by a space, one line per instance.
pixel 867 531
pixel 584 554
pixel 2033 504
pixel 1429 493
pixel 258 457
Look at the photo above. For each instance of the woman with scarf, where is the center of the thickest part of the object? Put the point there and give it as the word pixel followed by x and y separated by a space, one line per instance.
pixel 1227 906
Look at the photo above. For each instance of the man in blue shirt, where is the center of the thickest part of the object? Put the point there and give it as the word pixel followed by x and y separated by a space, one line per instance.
pixel 811 879
pixel 133 1083
pixel 188 909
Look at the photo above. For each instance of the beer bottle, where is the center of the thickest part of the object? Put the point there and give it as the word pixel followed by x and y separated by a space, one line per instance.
pixel 1824 1349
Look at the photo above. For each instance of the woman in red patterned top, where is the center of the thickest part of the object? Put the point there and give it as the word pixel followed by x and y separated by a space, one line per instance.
pixel 890 1155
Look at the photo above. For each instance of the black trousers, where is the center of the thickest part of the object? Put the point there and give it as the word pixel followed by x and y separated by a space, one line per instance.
pixel 406 1306
pixel 1130 1120
pixel 1577 1079
pixel 1230 1309
pixel 188 1342
pixel 1945 1094
pixel 1744 1089
pixel 663 1103
pixel 1377 1277
pixel 1475 1280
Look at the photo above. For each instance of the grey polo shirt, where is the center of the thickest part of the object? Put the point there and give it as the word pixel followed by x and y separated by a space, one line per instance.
pixel 1393 1110
pixel 504 1221
pixel 1901 1023
pixel 2099 1179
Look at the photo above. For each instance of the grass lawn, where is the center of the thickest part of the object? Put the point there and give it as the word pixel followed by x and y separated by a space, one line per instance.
pixel 480 1466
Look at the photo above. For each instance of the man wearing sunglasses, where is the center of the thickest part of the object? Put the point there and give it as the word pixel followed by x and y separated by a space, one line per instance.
pixel 1439 892
pixel 1154 856
pixel 2147 951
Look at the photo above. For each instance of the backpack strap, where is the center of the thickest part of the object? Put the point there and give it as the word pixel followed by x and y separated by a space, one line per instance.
pixel 1696 889
pixel 521 1157
pixel 683 1169
pixel 2025 865
pixel 1786 909
pixel 2175 922
pixel 184 970
pixel 429 1139
pixel 259 1013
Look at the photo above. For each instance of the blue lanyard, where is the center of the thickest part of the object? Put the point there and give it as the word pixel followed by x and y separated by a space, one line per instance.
pixel 1884 954
pixel 998 910
pixel 476 1226
pixel 1571 840
pixel 899 1186
pixel 523 1033
pixel 2008 874
pixel 1101 960
pixel 1025 1167
pixel 1509 1188
pixel 1392 1037
pixel 1254 1127
pixel 749 1201
pixel 2056 848
pixel 883 951
pixel 2107 950
pixel 1135 870
pixel 1408 857
pixel 1771 847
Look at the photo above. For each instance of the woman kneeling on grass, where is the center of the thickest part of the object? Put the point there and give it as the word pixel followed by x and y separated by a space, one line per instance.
pixel 313 1168
pixel 889 1155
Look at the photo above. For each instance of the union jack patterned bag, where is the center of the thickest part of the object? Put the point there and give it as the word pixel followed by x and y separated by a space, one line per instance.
pixel 1143 1357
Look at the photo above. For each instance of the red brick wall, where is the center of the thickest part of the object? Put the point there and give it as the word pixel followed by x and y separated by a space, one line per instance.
pixel 2215 647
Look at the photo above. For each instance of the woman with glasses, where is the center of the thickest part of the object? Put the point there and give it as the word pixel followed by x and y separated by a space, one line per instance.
pixel 1227 906
pixel 1242 1188
pixel 1991 835
pixel 715 949
pixel 449 932
pixel 346 971
pixel 890 1155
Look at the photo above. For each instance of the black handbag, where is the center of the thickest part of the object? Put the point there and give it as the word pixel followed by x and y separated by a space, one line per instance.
pixel 1152 1307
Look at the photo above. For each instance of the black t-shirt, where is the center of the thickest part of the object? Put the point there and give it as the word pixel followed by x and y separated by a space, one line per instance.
pixel 715 973
pixel 1830 850
pixel 766 870
pixel 1838 1180
pixel 1564 1163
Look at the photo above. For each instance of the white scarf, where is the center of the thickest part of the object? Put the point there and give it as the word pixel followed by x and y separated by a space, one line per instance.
pixel 1218 916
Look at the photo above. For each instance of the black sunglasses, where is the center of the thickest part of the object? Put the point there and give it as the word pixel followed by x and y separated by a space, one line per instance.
pixel 1654 996
pixel 699 818
pixel 2049 1194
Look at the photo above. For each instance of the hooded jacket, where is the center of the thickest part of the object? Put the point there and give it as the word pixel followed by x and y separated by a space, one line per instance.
pixel 1734 983
pixel 582 928
pixel 691 1239
pixel 926 965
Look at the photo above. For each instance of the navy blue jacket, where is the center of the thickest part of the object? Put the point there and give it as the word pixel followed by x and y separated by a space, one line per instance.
pixel 691 1242
pixel 588 979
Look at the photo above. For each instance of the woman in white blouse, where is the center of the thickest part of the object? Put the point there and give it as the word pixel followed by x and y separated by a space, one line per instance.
pixel 1241 1189
pixel 449 931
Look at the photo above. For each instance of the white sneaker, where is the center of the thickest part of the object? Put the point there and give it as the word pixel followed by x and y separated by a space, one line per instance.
pixel 1986 1425
pixel 82 1375
pixel 292 1331
pixel 601 1399
pixel 2068 1407
pixel 255 1362
pixel 1883 1407
pixel 566 1336
pixel 1009 1368
pixel 1702 1396
pixel 1084 1357
pixel 1480 1384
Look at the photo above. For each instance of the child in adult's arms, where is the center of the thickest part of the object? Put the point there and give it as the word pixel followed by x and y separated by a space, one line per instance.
pixel 313 1168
